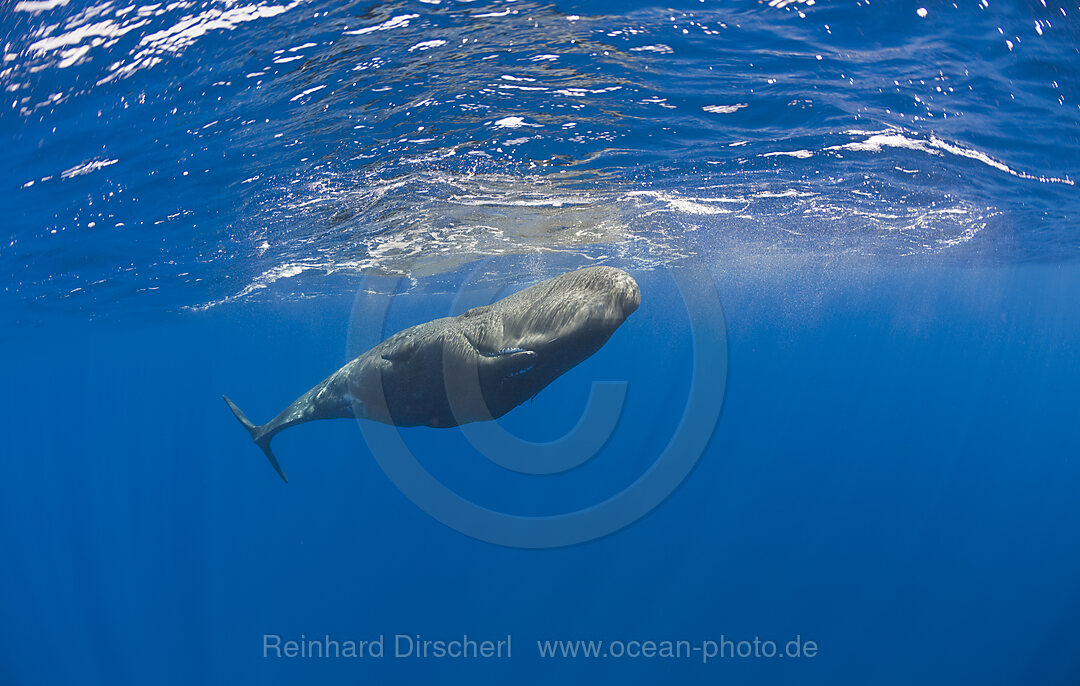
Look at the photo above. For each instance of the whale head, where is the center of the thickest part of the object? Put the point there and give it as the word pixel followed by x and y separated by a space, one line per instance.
pixel 583 307
pixel 525 341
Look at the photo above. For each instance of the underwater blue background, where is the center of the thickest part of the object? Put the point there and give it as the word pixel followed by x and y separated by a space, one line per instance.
pixel 197 193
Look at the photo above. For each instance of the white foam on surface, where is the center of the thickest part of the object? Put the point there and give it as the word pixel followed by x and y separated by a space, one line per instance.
pixel 724 109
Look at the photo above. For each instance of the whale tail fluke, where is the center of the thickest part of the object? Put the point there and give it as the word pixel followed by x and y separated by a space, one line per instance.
pixel 260 434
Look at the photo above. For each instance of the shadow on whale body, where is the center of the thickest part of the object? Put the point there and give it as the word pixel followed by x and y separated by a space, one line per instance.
pixel 474 367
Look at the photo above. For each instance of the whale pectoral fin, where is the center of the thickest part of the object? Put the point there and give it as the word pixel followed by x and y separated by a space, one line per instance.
pixel 510 362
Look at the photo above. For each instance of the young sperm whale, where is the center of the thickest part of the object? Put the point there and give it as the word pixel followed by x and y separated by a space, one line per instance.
pixel 474 367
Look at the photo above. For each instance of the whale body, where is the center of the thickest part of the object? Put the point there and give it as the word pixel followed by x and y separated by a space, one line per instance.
pixel 474 367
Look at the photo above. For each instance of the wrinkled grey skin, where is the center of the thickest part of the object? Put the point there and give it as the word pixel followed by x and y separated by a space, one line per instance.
pixel 473 367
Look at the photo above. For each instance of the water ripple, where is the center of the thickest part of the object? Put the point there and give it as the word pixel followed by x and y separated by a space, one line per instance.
pixel 207 151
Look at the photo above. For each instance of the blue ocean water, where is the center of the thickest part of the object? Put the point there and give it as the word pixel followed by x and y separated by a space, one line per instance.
pixel 206 196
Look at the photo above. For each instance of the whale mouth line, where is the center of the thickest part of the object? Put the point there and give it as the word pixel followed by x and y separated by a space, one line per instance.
pixel 505 351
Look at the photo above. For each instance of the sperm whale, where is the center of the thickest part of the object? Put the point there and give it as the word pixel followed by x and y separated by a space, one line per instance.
pixel 476 366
